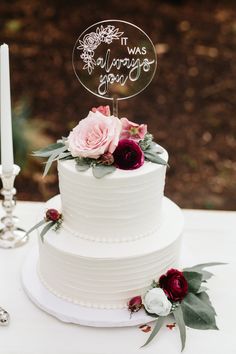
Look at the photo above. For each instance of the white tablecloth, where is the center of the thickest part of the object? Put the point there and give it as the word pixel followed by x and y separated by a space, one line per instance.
pixel 209 236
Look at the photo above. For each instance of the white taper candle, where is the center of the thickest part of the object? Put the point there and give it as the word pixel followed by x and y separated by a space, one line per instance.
pixel 5 110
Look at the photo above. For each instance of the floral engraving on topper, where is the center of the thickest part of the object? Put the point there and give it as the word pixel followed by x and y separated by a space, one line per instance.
pixel 92 40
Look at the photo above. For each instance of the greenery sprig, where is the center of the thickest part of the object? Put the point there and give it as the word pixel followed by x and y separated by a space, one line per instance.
pixel 151 150
pixel 52 220
pixel 194 310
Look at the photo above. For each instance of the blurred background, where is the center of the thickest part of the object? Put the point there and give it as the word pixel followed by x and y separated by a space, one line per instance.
pixel 190 106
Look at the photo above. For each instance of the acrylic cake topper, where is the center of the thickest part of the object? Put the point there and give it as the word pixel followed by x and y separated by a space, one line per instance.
pixel 114 60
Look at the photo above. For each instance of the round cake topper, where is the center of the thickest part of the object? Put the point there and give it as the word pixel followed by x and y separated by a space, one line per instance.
pixel 114 59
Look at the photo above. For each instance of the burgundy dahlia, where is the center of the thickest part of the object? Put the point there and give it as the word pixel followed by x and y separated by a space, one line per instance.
pixel 174 285
pixel 128 155
pixel 53 215
pixel 135 304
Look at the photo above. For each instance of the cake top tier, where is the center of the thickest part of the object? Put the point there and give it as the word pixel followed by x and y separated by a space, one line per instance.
pixel 112 209
pixel 122 206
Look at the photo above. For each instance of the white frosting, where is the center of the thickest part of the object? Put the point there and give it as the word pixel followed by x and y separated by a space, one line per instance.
pixel 107 275
pixel 122 206
pixel 89 261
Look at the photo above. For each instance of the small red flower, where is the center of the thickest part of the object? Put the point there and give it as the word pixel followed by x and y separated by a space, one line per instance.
pixel 174 285
pixel 135 304
pixel 53 215
pixel 107 159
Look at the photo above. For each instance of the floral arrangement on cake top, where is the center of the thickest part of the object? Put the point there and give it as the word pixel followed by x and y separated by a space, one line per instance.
pixel 104 142
pixel 181 294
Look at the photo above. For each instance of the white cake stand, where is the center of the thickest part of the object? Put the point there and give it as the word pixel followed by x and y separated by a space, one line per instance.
pixel 68 311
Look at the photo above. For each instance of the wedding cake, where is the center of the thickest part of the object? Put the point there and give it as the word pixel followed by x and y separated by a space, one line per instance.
pixel 117 230
pixel 110 242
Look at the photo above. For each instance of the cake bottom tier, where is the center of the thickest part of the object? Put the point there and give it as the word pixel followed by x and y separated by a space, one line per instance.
pixel 107 275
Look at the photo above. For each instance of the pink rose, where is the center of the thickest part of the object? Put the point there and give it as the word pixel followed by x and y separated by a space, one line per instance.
pixel 131 130
pixel 94 136
pixel 105 110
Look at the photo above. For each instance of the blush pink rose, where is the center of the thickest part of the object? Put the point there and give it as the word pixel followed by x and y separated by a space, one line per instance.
pixel 105 110
pixel 94 136
pixel 131 130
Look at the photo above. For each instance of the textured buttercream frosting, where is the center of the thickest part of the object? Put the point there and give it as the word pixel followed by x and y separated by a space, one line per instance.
pixel 122 206
pixel 107 275
pixel 118 234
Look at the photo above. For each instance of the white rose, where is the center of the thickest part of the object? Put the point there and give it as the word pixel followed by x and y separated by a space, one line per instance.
pixel 155 301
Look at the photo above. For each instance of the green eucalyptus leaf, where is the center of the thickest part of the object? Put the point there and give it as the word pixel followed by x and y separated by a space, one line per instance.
pixel 146 142
pixel 69 157
pixel 205 297
pixel 194 280
pixel 49 163
pixel 40 223
pixel 81 165
pixel 156 148
pixel 206 275
pixel 87 160
pixel 46 152
pixel 197 312
pixel 178 315
pixel 53 153
pixel 64 155
pixel 154 157
pixel 45 229
pixel 202 289
pixel 157 327
pixel 100 171
pixel 200 269
pixel 61 156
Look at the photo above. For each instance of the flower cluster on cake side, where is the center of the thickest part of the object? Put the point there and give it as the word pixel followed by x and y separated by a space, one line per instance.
pixel 104 142
pixel 182 294
pixel 52 220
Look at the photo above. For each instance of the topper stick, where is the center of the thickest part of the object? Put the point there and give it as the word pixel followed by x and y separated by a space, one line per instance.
pixel 115 106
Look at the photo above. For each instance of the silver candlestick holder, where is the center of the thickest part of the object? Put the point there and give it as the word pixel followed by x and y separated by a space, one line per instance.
pixel 11 236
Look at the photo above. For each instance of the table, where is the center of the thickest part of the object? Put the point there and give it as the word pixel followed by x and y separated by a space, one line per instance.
pixel 208 236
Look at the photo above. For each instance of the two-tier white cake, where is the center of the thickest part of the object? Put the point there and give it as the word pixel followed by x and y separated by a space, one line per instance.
pixel 118 234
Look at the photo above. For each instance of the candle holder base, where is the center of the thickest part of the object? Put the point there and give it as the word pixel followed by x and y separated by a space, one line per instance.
pixel 12 238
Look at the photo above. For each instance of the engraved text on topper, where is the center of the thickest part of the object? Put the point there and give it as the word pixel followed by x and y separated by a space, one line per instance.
pixel 112 69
